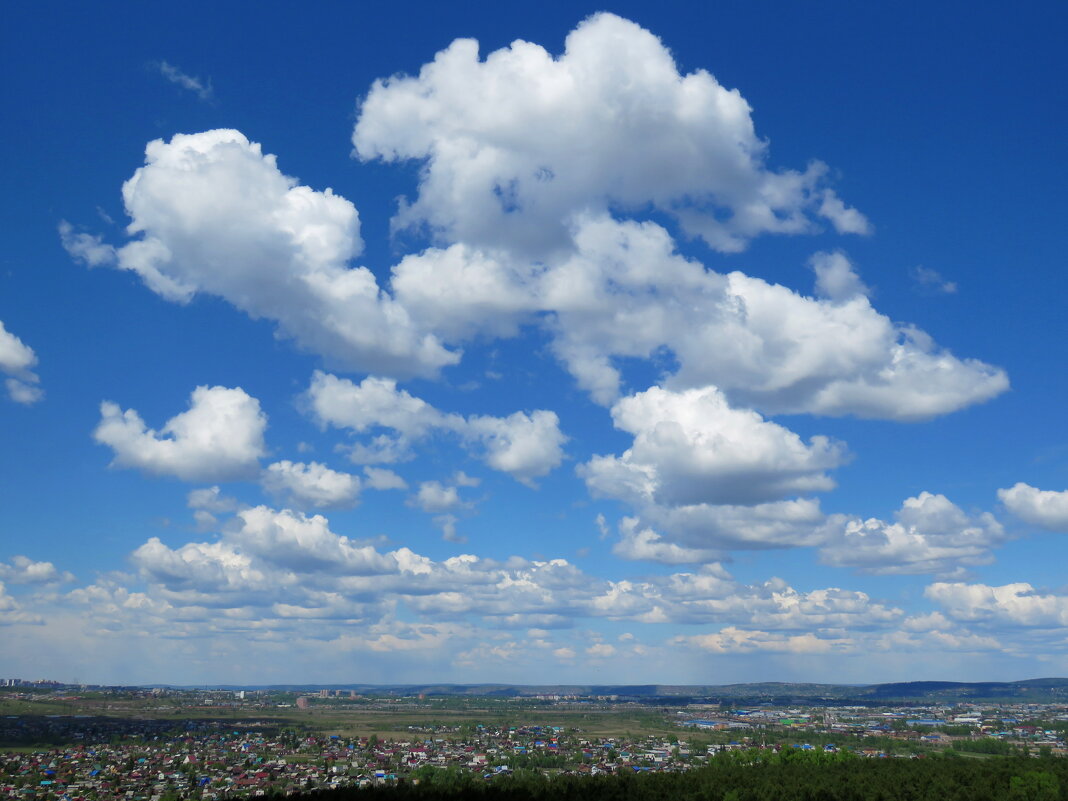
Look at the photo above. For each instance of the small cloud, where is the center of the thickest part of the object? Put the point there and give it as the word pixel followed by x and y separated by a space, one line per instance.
pixel 311 485
pixel 447 524
pixel 16 359
pixel 202 90
pixel 92 250
pixel 211 499
pixel 433 497
pixel 601 650
pixel 602 526
pixel 931 281
pixel 845 219
pixel 381 479
pixel 461 479
pixel 23 392
pixel 836 279
pixel 23 570
pixel 444 502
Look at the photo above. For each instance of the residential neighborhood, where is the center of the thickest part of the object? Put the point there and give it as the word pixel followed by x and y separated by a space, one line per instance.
pixel 156 757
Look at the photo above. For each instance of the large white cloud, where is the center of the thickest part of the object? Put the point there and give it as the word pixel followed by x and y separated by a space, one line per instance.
pixel 219 438
pixel 1006 606
pixel 691 447
pixel 16 359
pixel 515 144
pixel 294 541
pixel 622 291
pixel 1045 508
pixel 625 292
pixel 931 535
pixel 207 574
pixel 215 215
pixel 524 445
pixel 527 158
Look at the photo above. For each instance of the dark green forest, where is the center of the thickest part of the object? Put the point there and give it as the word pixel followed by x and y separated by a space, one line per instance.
pixel 790 776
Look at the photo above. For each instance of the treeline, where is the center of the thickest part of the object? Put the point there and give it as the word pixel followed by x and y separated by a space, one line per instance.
pixel 750 777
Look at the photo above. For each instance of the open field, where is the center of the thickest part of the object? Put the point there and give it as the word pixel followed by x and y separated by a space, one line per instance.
pixel 385 723
pixel 366 719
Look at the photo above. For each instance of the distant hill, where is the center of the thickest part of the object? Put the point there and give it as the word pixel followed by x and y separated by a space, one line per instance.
pixel 1043 690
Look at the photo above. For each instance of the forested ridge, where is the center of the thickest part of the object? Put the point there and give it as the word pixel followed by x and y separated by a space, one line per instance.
pixel 753 777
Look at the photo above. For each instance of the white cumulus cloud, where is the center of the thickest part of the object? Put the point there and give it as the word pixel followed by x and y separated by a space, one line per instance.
pixel 23 570
pixel 215 215
pixel 691 447
pixel 295 541
pixel 1044 508
pixel 524 445
pixel 219 438
pixel 434 497
pixel 380 478
pixel 16 359
pixel 312 485
pixel 1007 605
pixel 516 143
pixel 622 291
pixel 931 534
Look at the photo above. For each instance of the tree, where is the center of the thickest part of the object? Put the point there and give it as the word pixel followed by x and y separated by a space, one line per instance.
pixel 1035 785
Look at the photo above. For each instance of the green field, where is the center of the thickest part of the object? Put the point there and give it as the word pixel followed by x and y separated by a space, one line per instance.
pixel 369 717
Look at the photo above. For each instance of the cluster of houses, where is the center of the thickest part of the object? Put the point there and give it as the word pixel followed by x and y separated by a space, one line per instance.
pixel 213 761
pixel 1024 725
pixel 98 758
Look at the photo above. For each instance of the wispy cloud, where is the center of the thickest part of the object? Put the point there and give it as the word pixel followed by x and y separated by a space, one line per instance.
pixel 202 89
pixel 928 280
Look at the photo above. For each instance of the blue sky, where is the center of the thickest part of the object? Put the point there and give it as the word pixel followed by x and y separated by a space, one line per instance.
pixel 666 344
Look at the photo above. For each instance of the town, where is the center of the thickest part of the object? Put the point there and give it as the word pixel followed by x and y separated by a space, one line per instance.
pixel 75 744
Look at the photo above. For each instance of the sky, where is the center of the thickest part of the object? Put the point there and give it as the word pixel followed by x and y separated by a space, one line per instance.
pixel 624 343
